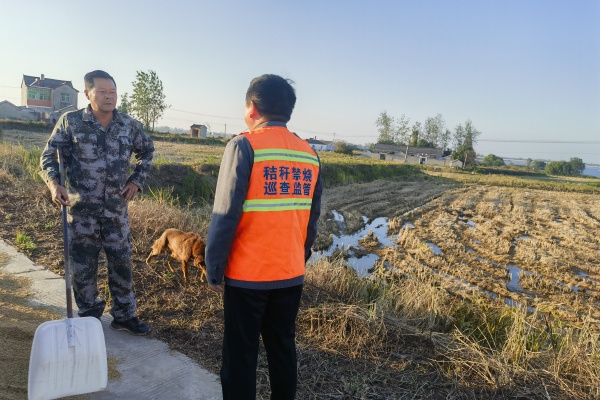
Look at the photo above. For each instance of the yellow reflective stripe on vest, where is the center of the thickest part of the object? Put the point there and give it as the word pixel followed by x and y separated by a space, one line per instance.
pixel 284 154
pixel 277 204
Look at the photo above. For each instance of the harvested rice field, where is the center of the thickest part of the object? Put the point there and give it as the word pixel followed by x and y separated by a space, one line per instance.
pixel 529 247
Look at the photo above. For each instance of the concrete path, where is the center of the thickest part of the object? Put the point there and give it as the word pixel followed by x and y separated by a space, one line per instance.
pixel 149 370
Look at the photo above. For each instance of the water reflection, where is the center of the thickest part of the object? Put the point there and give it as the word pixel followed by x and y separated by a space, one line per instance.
pixel 349 246
pixel 469 222
pixel 512 278
pixel 522 238
pixel 346 244
pixel 436 250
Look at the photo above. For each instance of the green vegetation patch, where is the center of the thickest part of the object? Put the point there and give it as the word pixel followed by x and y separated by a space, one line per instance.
pixel 32 126
pixel 182 138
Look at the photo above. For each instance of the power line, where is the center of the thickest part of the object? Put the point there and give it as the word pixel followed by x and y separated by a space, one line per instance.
pixel 313 131
pixel 204 115
pixel 371 137
pixel 241 119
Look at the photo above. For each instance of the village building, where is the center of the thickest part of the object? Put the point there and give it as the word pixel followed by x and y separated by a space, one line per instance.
pixel 412 155
pixel 10 111
pixel 42 99
pixel 320 145
pixel 198 131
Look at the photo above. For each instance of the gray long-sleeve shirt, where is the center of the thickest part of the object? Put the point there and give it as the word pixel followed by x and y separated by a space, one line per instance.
pixel 232 187
pixel 97 160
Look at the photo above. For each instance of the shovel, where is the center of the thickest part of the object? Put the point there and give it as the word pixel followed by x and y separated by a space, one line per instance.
pixel 68 357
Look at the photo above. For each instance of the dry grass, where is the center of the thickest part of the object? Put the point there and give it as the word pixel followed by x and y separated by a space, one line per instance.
pixel 555 183
pixel 422 326
pixel 149 219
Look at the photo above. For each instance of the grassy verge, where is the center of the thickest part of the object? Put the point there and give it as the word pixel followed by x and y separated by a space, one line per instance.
pixel 32 126
pixel 178 138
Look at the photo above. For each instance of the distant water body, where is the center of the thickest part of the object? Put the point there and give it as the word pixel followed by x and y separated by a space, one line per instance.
pixel 591 171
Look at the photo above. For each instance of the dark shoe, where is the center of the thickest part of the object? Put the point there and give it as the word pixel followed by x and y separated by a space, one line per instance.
pixel 133 326
pixel 92 313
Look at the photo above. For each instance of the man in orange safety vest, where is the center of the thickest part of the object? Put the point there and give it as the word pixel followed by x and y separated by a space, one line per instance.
pixel 263 225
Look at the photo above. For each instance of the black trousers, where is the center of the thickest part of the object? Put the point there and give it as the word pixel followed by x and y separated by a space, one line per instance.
pixel 249 314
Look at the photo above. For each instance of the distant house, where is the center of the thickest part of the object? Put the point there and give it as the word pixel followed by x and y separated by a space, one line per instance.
pixel 411 155
pixel 198 131
pixel 453 163
pixel 320 145
pixel 10 111
pixel 42 99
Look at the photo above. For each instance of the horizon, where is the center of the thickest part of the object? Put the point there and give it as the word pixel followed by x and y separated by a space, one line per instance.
pixel 182 131
pixel 526 73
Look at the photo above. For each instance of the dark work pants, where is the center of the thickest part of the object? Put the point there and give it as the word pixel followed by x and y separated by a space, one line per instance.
pixel 249 314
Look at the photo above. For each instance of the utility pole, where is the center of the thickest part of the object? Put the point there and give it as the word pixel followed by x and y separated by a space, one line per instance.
pixel 225 130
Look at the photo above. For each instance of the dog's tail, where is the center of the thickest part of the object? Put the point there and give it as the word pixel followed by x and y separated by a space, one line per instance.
pixel 162 241
pixel 159 245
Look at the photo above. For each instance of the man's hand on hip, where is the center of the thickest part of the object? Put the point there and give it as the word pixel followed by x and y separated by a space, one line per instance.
pixel 130 191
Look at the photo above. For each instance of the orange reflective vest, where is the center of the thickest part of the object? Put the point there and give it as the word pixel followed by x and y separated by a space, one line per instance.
pixel 268 245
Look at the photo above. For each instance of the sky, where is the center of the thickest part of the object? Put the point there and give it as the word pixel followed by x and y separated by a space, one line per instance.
pixel 525 72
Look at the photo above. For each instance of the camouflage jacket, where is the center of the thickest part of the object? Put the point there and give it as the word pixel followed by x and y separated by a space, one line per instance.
pixel 97 160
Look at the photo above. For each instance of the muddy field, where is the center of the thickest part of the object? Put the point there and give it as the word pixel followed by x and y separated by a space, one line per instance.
pixel 518 246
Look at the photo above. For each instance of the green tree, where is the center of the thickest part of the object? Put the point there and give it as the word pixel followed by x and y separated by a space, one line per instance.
pixel 471 133
pixel 125 104
pixel 558 168
pixel 424 143
pixel 577 165
pixel 537 165
pixel 444 141
pixel 148 100
pixel 466 154
pixel 385 127
pixel 465 138
pixel 492 160
pixel 466 133
pixel 340 146
pixel 402 131
pixel 434 129
pixel 528 163
pixel 415 134
pixel 459 136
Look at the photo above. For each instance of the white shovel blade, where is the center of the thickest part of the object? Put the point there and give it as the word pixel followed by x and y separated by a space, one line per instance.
pixel 57 369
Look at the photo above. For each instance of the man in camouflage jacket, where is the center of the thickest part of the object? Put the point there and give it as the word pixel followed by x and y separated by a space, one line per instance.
pixel 96 143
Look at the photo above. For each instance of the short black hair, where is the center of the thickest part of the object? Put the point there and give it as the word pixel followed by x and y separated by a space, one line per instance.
pixel 273 96
pixel 88 79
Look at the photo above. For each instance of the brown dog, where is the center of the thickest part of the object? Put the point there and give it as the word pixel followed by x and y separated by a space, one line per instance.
pixel 183 247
